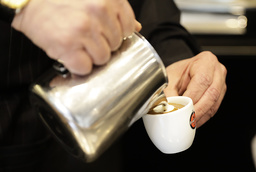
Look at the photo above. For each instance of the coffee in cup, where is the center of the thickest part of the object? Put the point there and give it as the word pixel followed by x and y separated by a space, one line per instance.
pixel 172 131
pixel 165 107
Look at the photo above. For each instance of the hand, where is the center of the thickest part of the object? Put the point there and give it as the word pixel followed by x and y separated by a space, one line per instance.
pixel 203 79
pixel 79 33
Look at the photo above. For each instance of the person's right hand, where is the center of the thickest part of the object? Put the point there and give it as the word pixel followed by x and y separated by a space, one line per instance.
pixel 79 33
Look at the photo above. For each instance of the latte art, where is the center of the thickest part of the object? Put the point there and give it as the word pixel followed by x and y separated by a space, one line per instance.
pixel 165 107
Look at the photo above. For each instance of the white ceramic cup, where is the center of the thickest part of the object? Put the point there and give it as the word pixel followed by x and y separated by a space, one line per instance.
pixel 172 132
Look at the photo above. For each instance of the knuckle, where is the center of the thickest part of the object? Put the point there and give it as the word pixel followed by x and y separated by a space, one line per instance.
pixel 205 113
pixel 56 51
pixel 52 53
pixel 115 44
pixel 129 29
pixel 200 112
pixel 81 26
pixel 204 80
pixel 99 8
pixel 212 112
pixel 225 88
pixel 86 70
pixel 208 54
pixel 59 45
pixel 76 66
pixel 213 94
pixel 224 70
pixel 102 57
pixel 64 40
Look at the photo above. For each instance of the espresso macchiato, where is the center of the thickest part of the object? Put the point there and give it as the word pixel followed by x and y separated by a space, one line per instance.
pixel 163 110
pixel 172 128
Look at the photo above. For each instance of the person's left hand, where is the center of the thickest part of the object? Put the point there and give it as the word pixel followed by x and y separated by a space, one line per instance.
pixel 203 79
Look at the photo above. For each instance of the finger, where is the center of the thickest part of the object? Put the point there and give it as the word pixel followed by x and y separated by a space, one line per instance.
pixel 172 88
pixel 174 77
pixel 98 48
pixel 204 118
pixel 126 17
pixel 209 103
pixel 138 26
pixel 168 92
pixel 77 62
pixel 201 76
pixel 111 29
pixel 178 79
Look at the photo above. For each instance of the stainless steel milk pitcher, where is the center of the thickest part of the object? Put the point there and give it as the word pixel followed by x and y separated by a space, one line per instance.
pixel 87 114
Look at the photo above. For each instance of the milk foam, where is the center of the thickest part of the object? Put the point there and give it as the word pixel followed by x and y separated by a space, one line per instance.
pixel 163 107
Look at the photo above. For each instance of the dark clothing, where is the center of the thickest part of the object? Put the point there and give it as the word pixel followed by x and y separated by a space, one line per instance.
pixel 24 142
pixel 6 14
pixel 161 26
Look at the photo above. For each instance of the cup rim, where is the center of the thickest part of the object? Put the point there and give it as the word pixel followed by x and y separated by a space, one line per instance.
pixel 175 97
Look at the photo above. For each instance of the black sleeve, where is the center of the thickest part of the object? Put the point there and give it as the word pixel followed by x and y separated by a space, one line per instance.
pixel 160 21
pixel 6 14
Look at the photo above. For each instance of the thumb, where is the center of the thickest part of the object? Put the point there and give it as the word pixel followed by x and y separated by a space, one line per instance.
pixel 173 80
pixel 138 26
pixel 170 91
pixel 177 78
